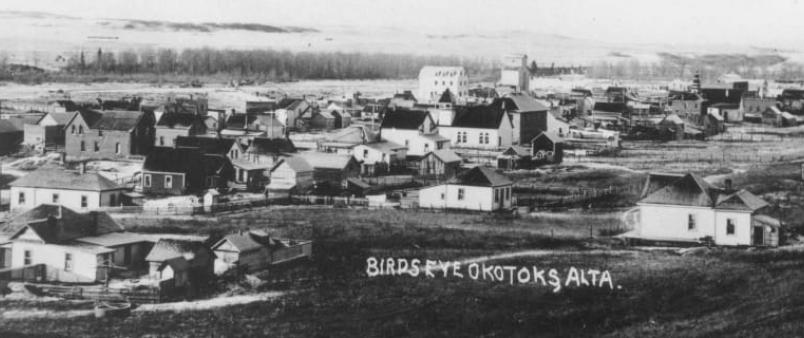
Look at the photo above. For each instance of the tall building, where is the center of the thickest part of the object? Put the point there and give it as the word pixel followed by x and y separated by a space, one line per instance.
pixel 433 81
pixel 514 72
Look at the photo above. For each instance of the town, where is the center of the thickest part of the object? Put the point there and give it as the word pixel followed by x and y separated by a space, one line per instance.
pixel 255 207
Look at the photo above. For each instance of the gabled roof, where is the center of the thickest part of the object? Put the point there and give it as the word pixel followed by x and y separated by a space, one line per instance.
pixel 172 160
pixel 522 103
pixel 166 249
pixel 117 120
pixel 447 97
pixel 179 120
pixel 7 127
pixel 385 146
pixel 326 160
pixel 406 95
pixel 262 145
pixel 446 156
pixel 404 119
pixel 517 150
pixel 61 118
pixel 692 190
pixel 207 145
pixel 482 177
pixel 58 224
pixel 551 135
pixel 484 117
pixel 246 241
pixel 64 179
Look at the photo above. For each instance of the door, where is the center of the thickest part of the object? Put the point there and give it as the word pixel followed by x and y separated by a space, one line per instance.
pixel 759 236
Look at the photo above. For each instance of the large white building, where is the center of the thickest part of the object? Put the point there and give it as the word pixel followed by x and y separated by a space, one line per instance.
pixel 433 81
pixel 514 72
pixel 73 189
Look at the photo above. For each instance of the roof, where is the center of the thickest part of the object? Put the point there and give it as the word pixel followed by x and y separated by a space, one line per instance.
pixel 117 120
pixel 246 241
pixel 166 249
pixel 522 103
pixel 176 264
pixel 611 107
pixel 551 135
pixel 64 179
pixel 7 126
pixel 517 150
pixel 406 95
pixel 447 97
pixel 672 118
pixel 482 177
pixel 656 181
pixel 61 118
pixel 58 224
pixel 765 220
pixel 207 145
pixel 444 71
pixel 115 239
pixel 326 160
pixel 446 156
pixel 262 145
pixel 385 146
pixel 298 164
pixel 692 190
pixel 179 120
pixel 484 117
pixel 172 160
pixel 404 119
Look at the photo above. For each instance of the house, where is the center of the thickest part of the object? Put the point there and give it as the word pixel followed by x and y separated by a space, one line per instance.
pixel 177 171
pixel 323 120
pixel 269 124
pixel 173 125
pixel 487 127
pixel 212 146
pixel 78 190
pixel 792 100
pixel 331 170
pixel 730 112
pixel 528 116
pixel 442 163
pixel 245 128
pixel 109 134
pixel 548 147
pixel 480 188
pixel 435 80
pixel 515 157
pixel 10 137
pixel 693 210
pixel 752 108
pixel 379 157
pixel 344 141
pixel 444 110
pixel 251 171
pixel 414 129
pixel 291 173
pixel 184 263
pixel 73 247
pixel 47 131
pixel 253 251
pixel 685 104
pixel 291 109
pixel 672 127
pixel 403 100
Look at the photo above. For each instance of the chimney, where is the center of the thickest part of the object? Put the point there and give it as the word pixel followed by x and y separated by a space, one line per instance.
pixel 82 168
pixel 728 184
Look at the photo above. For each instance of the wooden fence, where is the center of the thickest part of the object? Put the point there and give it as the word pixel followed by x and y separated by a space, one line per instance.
pixel 329 200
pixel 138 296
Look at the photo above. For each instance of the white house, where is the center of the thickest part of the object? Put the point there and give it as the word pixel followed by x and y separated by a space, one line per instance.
pixel 413 129
pixel 433 81
pixel 379 156
pixel 291 172
pixel 73 247
pixel 480 189
pixel 480 127
pixel 256 250
pixel 78 190
pixel 689 209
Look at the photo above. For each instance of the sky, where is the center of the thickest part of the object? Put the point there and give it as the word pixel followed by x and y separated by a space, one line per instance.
pixel 745 22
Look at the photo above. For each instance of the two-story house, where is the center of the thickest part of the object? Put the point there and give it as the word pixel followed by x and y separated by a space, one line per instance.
pixel 414 129
pixel 109 134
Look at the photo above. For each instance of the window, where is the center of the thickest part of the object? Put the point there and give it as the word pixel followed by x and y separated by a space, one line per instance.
pixel 55 198
pixel 83 146
pixel 496 195
pixel 480 138
pixel 117 148
pixel 84 201
pixel 161 140
pixel 169 182
pixel 487 138
pixel 80 129
pixel 729 226
pixel 72 129
pixel 100 132
pixel 68 262
pixel 113 200
pixel 691 222
pixel 507 194
pixel 460 194
pixel 27 257
pixel 407 143
pixel 365 153
pixel 146 180
pixel 21 198
pixel 442 196
pixel 97 146
pixel 464 137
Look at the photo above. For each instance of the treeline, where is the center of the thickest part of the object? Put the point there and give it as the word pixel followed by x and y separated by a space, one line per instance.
pixel 710 66
pixel 264 64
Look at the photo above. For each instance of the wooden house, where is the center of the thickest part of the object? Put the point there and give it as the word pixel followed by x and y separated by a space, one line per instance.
pixel 548 148
pixel 78 190
pixel 109 134
pixel 443 163
pixel 480 189
pixel 176 171
pixel 182 263
pixel 253 251
pixel 173 125
pixel 515 157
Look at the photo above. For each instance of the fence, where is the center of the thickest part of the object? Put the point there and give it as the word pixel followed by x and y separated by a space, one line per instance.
pixel 294 251
pixel 541 196
pixel 329 200
pixel 140 296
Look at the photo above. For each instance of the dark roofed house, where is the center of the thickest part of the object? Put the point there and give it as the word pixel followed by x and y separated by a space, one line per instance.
pixel 414 129
pixel 173 125
pixel 528 116
pixel 792 100
pixel 480 188
pixel 73 247
pixel 443 163
pixel 211 145
pixel 176 171
pixel 253 169
pixel 79 190
pixel 488 126
pixel 10 137
pixel 691 209
pixel 515 157
pixel 188 263
pixel 109 134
